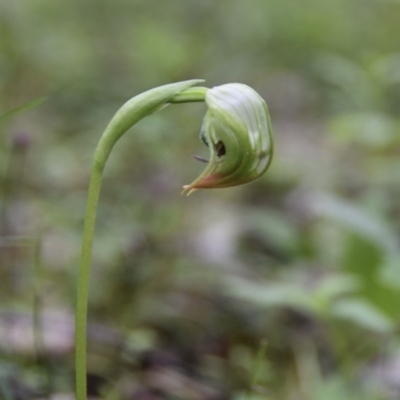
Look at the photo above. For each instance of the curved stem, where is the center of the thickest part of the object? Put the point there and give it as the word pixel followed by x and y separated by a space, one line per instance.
pixel 128 115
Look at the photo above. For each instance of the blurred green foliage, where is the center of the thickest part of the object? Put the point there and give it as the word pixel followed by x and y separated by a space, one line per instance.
pixel 307 257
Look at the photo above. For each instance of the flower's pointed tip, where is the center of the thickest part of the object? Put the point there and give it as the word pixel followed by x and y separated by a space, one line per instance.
pixel 188 190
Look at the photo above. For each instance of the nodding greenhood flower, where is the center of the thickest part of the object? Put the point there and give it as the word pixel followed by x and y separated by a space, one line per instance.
pixel 237 130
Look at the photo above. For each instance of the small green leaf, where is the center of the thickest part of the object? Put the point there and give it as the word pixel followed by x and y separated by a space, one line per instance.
pixel 25 107
pixel 362 313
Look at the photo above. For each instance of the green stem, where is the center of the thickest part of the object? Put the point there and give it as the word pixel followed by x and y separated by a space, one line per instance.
pixel 83 281
pixel 257 366
pixel 128 115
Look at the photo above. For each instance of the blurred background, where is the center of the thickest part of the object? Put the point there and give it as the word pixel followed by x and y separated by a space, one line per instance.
pixel 284 289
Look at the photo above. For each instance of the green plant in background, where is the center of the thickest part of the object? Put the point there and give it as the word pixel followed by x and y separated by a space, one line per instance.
pixel 23 108
pixel 238 133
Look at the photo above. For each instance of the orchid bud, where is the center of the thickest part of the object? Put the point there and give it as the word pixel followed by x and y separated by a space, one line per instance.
pixel 237 130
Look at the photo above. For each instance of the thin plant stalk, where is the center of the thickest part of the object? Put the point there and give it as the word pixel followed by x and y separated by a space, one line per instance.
pixel 38 339
pixel 260 357
pixel 129 114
